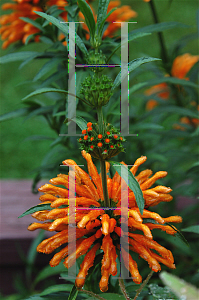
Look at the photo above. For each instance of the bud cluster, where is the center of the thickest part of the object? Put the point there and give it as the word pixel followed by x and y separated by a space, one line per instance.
pixel 97 90
pixel 94 58
pixel 101 145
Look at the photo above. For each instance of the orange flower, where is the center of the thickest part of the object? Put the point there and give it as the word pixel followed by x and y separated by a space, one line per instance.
pixel 183 64
pixel 95 228
pixel 162 91
pixel 14 29
pixel 121 14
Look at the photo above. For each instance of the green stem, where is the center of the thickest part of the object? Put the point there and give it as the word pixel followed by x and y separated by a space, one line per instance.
pixel 92 294
pixel 122 287
pixel 160 35
pixel 104 183
pixel 143 284
pixel 100 120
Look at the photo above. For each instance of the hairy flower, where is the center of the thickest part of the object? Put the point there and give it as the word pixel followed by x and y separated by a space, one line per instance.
pixel 98 229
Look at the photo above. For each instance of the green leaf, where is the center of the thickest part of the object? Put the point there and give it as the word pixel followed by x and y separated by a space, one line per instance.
pixel 15 114
pixel 36 208
pixel 89 19
pixel 194 228
pixel 171 80
pixel 17 56
pixel 64 28
pixel 38 138
pixel 49 271
pixel 132 38
pixel 163 293
pixel 26 61
pixel 111 296
pixel 73 293
pixel 196 132
pixel 101 15
pixel 179 234
pixel 56 288
pixel 79 121
pixel 159 27
pixel 34 23
pixel 172 109
pixel 100 32
pixel 148 126
pixel 47 67
pixel 45 90
pixel 132 66
pixel 180 287
pixel 133 185
pixel 54 77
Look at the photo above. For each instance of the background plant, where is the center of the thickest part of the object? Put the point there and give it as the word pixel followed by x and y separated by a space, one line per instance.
pixel 157 137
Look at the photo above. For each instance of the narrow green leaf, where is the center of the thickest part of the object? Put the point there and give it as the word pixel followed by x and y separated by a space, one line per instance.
pixel 54 77
pixel 15 114
pixel 34 23
pixel 79 121
pixel 73 293
pixel 36 208
pixel 132 66
pixel 17 56
pixel 103 22
pixel 39 208
pixel 38 138
pixel 47 67
pixel 196 132
pixel 26 61
pixel 171 80
pixel 111 296
pixel 101 13
pixel 133 185
pixel 49 271
pixel 180 287
pixel 179 234
pixel 133 37
pixel 194 228
pixel 56 288
pixel 45 90
pixel 64 28
pixel 147 126
pixel 159 27
pixel 172 109
pixel 89 19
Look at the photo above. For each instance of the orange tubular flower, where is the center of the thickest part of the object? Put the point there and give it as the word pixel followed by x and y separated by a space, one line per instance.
pixel 123 13
pixel 14 29
pixel 183 64
pixel 97 228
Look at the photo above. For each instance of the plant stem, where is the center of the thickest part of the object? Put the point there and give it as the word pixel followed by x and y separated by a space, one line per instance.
pixel 122 287
pixel 160 35
pixel 143 284
pixel 92 294
pixel 100 120
pixel 104 183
